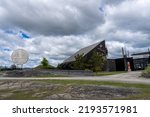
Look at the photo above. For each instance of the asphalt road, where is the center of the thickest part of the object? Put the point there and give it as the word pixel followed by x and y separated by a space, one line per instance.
pixel 130 77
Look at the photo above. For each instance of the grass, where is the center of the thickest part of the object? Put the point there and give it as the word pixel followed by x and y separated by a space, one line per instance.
pixel 50 75
pixel 92 82
pixel 18 94
pixel 95 74
pixel 109 73
pixel 30 94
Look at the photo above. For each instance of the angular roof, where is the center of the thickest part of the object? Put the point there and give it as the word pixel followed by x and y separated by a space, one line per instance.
pixel 83 51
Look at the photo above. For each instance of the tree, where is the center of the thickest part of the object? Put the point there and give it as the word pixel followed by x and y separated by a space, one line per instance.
pixel 44 63
pixel 59 66
pixel 79 63
pixel 96 61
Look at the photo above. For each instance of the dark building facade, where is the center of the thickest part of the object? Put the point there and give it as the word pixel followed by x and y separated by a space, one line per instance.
pixel 87 52
pixel 141 60
pixel 119 64
pixel 138 61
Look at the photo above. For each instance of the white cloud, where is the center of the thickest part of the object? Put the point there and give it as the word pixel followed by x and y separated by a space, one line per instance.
pixel 61 27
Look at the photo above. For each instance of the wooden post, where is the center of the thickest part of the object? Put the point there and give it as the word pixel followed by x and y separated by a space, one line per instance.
pixel 124 57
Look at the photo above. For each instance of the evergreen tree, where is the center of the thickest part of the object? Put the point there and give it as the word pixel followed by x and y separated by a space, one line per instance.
pixel 44 63
pixel 96 61
pixel 59 66
pixel 79 63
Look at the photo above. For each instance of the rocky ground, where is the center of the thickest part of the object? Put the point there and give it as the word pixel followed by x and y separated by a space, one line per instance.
pixel 23 89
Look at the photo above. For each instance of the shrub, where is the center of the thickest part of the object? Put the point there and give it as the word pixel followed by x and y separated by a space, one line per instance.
pixel 147 70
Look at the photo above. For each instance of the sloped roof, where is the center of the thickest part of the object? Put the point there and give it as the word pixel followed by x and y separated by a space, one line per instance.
pixel 83 51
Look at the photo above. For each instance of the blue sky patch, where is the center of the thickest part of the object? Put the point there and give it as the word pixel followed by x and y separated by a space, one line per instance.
pixel 23 35
pixel 5 49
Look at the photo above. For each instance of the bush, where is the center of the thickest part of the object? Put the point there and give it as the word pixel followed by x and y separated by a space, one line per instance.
pixel 147 70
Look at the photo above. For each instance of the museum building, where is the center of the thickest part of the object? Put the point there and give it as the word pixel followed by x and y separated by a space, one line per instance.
pixel 137 61
pixel 99 47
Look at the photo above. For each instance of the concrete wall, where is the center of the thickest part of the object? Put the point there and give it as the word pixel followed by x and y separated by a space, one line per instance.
pixel 72 72
pixel 40 73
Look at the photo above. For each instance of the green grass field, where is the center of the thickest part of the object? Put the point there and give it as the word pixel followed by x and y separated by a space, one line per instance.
pixel 95 74
pixel 109 73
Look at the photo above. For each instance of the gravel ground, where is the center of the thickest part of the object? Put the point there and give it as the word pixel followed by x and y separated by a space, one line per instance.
pixel 129 77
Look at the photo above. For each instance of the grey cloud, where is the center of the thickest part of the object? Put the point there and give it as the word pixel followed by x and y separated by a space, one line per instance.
pixel 111 2
pixel 51 17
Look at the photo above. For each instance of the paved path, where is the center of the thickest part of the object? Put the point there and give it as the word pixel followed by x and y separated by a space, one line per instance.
pixel 130 77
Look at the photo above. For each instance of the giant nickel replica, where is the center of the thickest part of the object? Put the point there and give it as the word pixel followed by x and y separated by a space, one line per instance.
pixel 20 56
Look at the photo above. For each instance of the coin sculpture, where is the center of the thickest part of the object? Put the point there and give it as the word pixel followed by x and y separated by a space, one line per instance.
pixel 20 56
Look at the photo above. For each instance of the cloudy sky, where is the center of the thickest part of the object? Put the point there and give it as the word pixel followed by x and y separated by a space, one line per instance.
pixel 55 29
